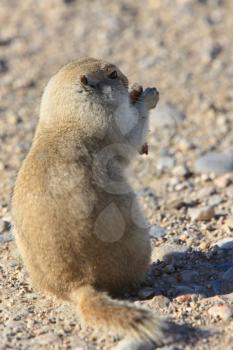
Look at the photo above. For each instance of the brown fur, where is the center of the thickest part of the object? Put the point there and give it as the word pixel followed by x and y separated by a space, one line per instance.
pixel 71 244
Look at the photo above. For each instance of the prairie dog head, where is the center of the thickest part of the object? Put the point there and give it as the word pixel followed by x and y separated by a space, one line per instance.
pixel 86 92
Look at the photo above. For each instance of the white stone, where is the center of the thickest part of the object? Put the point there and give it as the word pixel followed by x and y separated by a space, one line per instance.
pixel 201 214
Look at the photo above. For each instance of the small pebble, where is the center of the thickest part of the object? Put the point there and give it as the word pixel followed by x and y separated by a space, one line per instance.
pixel 159 301
pixel 229 223
pixel 68 1
pixel 157 231
pixel 200 289
pixel 169 253
pixel 186 298
pixel 205 192
pixel 223 311
pixel 215 200
pixel 225 243
pixel 146 293
pixel 176 203
pixel 216 286
pixel 213 162
pixel 6 237
pixel 189 275
pixel 223 181
pixel 2 226
pixel 168 268
pixel 223 267
pixel 228 275
pixel 3 65
pixel 130 344
pixel 182 289
pixel 5 41
pixel 180 170
pixel 201 214
pixel 229 192
pixel 45 339
pixel 184 145
pixel 166 162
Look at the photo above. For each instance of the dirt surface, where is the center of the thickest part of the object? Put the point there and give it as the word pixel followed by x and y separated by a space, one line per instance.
pixel 185 49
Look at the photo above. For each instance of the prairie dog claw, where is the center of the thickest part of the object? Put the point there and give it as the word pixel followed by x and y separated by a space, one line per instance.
pixel 151 97
pixel 144 149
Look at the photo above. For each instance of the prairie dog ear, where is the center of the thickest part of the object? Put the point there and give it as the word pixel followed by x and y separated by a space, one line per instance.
pixel 84 80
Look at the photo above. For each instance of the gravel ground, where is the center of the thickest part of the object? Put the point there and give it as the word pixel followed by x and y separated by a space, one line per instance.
pixel 185 184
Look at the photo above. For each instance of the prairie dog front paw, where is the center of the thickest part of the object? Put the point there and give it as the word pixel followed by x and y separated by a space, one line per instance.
pixel 135 93
pixel 151 97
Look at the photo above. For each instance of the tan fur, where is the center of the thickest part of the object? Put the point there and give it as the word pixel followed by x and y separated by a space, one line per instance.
pixel 68 217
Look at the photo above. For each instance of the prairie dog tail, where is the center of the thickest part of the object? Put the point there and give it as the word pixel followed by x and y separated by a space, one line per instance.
pixel 97 310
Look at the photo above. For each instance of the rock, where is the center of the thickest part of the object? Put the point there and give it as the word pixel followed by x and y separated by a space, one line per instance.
pixel 3 66
pixel 214 18
pixel 177 203
pixel 201 290
pixel 217 286
pixel 130 344
pixel 229 192
pixel 215 51
pixel 181 170
pixel 6 237
pixel 182 289
pixel 214 162
pixel 146 293
pixel 228 275
pixel 186 298
pixel 180 186
pixel 229 222
pixel 5 41
pixel 170 347
pixel 223 181
pixel 184 144
pixel 223 267
pixel 7 222
pixel 228 297
pixel 215 200
pixel 45 339
pixel 201 214
pixel 226 243
pixel 170 253
pixel 223 311
pixel 157 231
pixel 68 1
pixel 168 268
pixel 159 301
pixel 205 192
pixel 166 115
pixel 189 275
pixel 166 162
pixel 2 226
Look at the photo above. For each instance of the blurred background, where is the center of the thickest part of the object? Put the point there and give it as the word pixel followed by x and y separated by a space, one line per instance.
pixel 185 49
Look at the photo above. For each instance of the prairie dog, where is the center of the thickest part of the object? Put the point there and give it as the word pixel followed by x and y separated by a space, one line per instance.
pixel 73 210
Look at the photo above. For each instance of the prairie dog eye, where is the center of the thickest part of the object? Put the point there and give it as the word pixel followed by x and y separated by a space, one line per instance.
pixel 84 80
pixel 113 75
